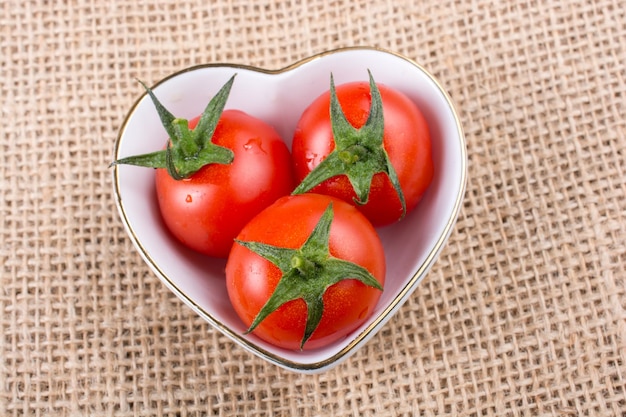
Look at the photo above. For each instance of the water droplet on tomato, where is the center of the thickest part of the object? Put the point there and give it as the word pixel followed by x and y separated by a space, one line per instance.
pixel 311 160
pixel 189 199
pixel 253 144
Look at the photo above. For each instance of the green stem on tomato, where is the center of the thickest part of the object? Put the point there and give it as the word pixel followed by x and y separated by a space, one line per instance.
pixel 187 150
pixel 359 153
pixel 307 272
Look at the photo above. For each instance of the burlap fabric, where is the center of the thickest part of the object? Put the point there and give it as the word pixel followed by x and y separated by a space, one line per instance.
pixel 523 314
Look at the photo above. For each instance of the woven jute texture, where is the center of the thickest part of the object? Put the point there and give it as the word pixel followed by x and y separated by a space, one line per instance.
pixel 524 313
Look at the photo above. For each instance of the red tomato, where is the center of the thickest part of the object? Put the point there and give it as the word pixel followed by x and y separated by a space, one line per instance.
pixel 251 279
pixel 406 139
pixel 207 210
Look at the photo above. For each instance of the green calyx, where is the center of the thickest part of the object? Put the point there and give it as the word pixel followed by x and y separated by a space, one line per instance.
pixel 359 153
pixel 307 272
pixel 187 150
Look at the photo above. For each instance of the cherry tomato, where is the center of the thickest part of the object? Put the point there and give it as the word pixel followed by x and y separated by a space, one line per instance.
pixel 313 240
pixel 207 210
pixel 216 172
pixel 405 138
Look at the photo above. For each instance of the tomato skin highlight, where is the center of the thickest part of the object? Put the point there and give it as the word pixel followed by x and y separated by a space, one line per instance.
pixel 406 139
pixel 251 279
pixel 207 210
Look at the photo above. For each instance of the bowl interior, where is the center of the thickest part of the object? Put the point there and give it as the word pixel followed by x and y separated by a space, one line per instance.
pixel 279 97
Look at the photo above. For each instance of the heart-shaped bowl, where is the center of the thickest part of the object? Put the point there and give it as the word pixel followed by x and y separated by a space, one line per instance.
pixel 279 97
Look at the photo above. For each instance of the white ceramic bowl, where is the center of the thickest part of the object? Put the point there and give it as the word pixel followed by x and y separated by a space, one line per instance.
pixel 279 97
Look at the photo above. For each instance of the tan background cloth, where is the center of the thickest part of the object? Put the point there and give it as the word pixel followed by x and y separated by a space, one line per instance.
pixel 523 314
